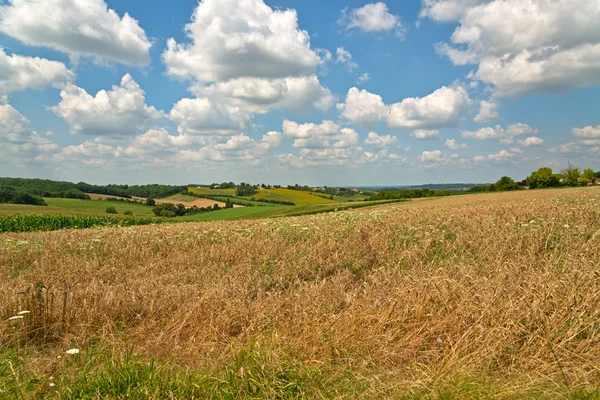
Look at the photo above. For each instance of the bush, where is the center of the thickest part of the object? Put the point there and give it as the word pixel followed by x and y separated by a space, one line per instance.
pixel 167 214
pixel 128 212
pixel 111 210
pixel 150 202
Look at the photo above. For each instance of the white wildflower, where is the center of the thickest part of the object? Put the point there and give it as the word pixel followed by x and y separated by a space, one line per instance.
pixel 16 317
pixel 72 351
pixel 51 384
pixel 23 312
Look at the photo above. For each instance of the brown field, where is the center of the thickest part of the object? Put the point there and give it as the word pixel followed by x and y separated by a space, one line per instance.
pixel 471 297
pixel 94 196
pixel 197 202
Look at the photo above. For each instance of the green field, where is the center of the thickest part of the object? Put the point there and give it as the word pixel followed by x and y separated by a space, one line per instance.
pixel 298 197
pixel 76 206
pixel 212 192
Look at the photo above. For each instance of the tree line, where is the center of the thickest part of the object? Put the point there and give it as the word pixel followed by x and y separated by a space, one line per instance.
pixel 49 188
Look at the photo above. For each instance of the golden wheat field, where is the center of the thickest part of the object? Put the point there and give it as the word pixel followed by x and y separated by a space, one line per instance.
pixel 467 297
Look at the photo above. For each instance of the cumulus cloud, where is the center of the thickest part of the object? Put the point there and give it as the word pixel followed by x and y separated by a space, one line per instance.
pixel 452 144
pixel 374 17
pixel 566 148
pixel 447 10
pixel 362 107
pixel 201 116
pixel 531 141
pixel 364 78
pixel 434 156
pixel 425 134
pixel 253 61
pixel 121 111
pixel 235 149
pixel 588 132
pixel 436 110
pixel 76 27
pixel 523 47
pixel 319 136
pixel 254 41
pixel 16 139
pixel 380 141
pixel 505 136
pixel 503 155
pixel 345 57
pixel 488 112
pixel 20 73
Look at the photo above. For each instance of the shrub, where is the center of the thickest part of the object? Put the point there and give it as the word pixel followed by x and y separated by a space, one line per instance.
pixel 128 212
pixel 150 202
pixel 111 210
pixel 167 214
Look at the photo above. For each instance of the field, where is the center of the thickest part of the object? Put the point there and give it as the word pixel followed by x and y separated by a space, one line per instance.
pixel 298 197
pixel 494 296
pixel 191 201
pixel 76 206
pixel 213 192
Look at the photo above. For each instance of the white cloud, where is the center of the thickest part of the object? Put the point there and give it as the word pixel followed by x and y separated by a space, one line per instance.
pixel 487 133
pixel 345 57
pixel 201 116
pixel 452 144
pixel 374 17
pixel 436 110
pixel 362 107
pixel 254 41
pixel 588 132
pixel 259 95
pixel 76 27
pixel 16 139
pixel 524 47
pixel 20 73
pixel 157 140
pixel 516 150
pixel 521 129
pixel 505 136
pixel 566 148
pixel 121 111
pixel 531 141
pixel 324 135
pixel 488 112
pixel 447 10
pixel 11 121
pixel 503 155
pixel 364 78
pixel 434 156
pixel 425 134
pixel 380 141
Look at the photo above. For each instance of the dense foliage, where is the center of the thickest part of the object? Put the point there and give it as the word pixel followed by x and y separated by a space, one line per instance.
pixel 407 194
pixel 245 190
pixel 169 210
pixel 14 196
pixel 51 222
pixel 49 188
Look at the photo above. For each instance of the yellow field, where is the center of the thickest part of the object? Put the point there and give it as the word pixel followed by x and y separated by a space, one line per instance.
pixel 295 196
pixel 467 297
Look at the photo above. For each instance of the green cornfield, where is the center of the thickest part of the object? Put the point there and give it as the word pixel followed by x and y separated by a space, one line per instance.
pixel 51 222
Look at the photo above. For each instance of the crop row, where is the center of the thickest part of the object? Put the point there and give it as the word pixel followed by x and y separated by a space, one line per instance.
pixel 51 222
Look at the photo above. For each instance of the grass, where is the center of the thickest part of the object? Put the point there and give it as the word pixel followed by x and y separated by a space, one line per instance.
pixel 214 192
pixel 298 197
pixel 494 296
pixel 236 213
pixel 98 206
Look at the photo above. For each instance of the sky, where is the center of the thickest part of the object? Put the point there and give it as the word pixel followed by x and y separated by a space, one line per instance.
pixel 337 92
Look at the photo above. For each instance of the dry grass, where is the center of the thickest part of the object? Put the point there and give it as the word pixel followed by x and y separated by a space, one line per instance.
pixel 483 296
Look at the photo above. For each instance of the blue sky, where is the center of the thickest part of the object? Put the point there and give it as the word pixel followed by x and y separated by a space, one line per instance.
pixel 309 92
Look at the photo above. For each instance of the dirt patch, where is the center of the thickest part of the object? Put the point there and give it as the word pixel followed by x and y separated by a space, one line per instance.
pixel 198 203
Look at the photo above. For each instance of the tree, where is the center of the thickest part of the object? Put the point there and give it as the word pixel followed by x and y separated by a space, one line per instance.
pixel 589 176
pixel 150 202
pixel 111 210
pixel 572 175
pixel 542 178
pixel 506 183
pixel 228 203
